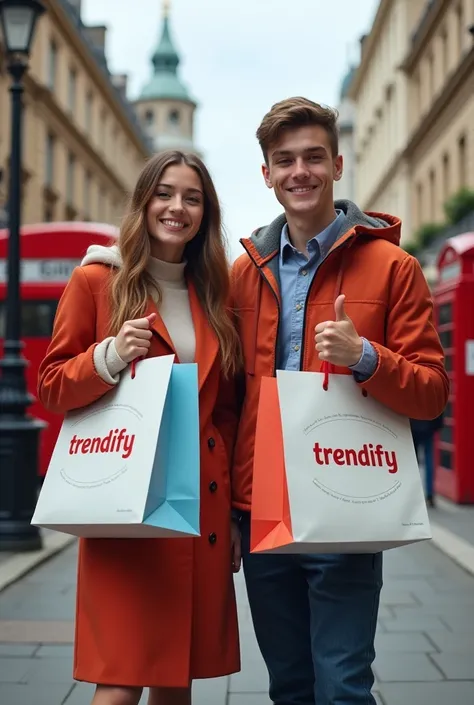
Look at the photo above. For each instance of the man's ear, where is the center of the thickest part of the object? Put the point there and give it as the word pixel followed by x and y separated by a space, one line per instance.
pixel 266 176
pixel 338 167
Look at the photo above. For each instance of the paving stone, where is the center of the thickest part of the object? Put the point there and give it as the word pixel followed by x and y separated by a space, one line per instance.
pixel 14 670
pixel 451 608
pixel 54 650
pixel 211 691
pixel 405 667
pixel 50 670
pixel 47 694
pixel 252 678
pixel 458 693
pixel 249 699
pixel 461 597
pixel 81 694
pixel 453 642
pixel 45 607
pixel 18 650
pixel 403 643
pixel 414 624
pixel 455 665
pixel 390 596
pixel 460 623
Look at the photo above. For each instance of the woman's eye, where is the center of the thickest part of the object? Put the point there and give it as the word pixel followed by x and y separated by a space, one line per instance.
pixel 163 194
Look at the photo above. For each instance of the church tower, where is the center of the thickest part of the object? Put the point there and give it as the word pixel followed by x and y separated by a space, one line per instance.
pixel 165 107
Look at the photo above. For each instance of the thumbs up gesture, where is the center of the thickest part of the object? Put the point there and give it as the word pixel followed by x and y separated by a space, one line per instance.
pixel 338 341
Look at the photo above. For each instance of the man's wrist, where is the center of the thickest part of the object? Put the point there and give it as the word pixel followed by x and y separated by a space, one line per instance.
pixel 359 352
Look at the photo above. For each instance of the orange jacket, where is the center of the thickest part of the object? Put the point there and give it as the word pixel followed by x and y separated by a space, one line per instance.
pixel 387 298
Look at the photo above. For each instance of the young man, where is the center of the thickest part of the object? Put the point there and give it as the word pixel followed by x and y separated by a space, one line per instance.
pixel 324 281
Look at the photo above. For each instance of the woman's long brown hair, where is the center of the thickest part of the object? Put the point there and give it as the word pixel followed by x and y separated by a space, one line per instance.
pixel 207 264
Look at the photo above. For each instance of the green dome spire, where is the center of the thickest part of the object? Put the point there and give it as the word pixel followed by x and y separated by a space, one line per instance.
pixel 165 82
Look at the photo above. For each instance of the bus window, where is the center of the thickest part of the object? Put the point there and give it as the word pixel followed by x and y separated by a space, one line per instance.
pixel 37 318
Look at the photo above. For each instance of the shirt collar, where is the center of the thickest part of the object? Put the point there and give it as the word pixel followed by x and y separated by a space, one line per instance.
pixel 321 243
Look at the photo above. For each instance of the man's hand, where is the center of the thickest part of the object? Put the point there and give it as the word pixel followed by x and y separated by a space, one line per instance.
pixel 338 341
pixel 236 551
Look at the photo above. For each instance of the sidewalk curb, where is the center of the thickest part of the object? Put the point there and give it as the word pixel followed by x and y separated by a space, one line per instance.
pixel 452 545
pixel 20 564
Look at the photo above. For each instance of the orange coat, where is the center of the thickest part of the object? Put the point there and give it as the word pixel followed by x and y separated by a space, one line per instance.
pixel 387 299
pixel 150 612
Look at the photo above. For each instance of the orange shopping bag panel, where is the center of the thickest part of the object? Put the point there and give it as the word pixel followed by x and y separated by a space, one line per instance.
pixel 270 516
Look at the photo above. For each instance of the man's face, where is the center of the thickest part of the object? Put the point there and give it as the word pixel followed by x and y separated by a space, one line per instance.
pixel 302 169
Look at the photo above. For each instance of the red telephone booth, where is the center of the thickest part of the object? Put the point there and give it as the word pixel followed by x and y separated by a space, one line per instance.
pixel 454 304
pixel 49 253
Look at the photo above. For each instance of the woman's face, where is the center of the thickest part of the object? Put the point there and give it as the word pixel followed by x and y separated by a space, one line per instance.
pixel 175 211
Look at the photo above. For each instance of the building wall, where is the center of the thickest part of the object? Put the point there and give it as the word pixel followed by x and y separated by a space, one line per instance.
pixel 345 188
pixel 414 95
pixel 440 69
pixel 380 92
pixel 82 149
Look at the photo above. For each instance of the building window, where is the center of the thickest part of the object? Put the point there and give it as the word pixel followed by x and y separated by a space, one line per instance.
pixel 462 161
pixel 102 205
pixel 103 129
pixel 419 204
pixel 461 29
pixel 50 150
pixel 89 109
pixel 432 205
pixel 71 168
pixel 72 87
pixel 446 188
pixel 445 51
pixel 149 118
pixel 431 77
pixel 174 117
pixel 52 65
pixel 48 214
pixel 87 194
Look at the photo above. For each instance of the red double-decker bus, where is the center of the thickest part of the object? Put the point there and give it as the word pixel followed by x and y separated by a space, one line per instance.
pixel 49 253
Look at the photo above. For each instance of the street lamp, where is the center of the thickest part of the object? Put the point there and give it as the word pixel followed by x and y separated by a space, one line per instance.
pixel 19 432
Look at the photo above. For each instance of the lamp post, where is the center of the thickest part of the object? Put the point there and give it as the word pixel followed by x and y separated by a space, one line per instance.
pixel 19 432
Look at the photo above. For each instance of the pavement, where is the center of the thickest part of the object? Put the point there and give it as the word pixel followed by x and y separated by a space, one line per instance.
pixel 425 635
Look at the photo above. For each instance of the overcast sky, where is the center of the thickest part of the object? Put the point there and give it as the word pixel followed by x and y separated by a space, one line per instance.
pixel 238 57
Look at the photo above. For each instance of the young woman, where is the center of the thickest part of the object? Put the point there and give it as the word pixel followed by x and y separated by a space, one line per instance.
pixel 156 612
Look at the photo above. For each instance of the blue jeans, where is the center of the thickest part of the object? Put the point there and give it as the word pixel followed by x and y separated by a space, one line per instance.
pixel 315 618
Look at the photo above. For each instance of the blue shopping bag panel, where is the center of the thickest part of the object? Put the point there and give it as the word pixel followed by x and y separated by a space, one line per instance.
pixel 176 475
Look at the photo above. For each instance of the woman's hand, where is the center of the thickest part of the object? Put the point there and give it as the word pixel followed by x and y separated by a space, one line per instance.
pixel 235 541
pixel 134 338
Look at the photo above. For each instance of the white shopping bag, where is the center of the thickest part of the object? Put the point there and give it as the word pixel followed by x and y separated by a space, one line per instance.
pixel 128 465
pixel 349 466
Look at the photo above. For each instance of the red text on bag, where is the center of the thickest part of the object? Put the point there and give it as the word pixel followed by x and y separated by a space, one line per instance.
pixel 366 456
pixel 114 442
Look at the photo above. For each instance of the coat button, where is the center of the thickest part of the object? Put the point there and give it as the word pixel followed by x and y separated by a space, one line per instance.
pixel 211 442
pixel 213 486
pixel 212 538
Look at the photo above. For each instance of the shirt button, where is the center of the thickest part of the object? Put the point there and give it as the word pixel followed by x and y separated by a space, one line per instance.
pixel 212 538
pixel 304 272
pixel 211 442
pixel 213 486
pixel 296 348
pixel 298 307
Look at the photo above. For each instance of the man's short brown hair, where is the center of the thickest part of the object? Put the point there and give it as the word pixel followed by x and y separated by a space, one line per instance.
pixel 292 113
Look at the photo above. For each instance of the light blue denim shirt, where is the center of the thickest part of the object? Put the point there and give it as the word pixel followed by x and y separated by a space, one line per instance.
pixel 296 274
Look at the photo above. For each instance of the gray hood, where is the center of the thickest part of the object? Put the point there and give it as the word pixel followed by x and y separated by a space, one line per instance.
pixel 266 240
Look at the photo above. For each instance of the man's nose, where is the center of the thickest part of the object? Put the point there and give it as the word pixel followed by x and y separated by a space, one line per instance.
pixel 301 169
